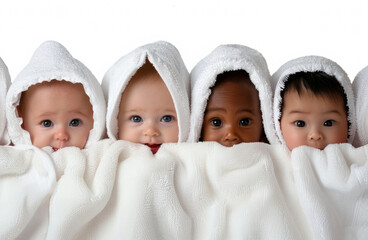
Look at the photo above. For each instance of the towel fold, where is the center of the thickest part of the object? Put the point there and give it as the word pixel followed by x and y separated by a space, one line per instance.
pixel 184 191
pixel 27 180
pixel 168 63
pixel 229 58
pixel 360 87
pixel 332 186
pixel 52 61
pixel 311 64
pixel 120 190
pixel 4 85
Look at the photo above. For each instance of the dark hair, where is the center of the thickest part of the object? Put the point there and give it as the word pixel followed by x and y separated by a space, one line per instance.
pixel 319 83
pixel 242 74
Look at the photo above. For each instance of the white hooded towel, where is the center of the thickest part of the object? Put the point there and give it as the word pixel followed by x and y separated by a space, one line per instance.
pixel 168 63
pixel 360 87
pixel 52 61
pixel 230 58
pixel 4 85
pixel 311 64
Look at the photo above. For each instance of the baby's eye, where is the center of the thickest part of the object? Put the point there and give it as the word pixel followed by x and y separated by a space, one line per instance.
pixel 136 119
pixel 245 122
pixel 75 122
pixel 299 123
pixel 216 122
pixel 329 123
pixel 167 118
pixel 46 123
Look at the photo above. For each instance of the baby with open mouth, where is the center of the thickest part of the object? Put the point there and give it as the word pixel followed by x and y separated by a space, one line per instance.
pixel 148 100
pixel 147 113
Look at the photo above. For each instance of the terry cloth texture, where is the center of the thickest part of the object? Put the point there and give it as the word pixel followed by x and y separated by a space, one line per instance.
pixel 52 61
pixel 168 63
pixel 27 180
pixel 311 64
pixel 120 190
pixel 360 87
pixel 230 58
pixel 4 85
pixel 332 188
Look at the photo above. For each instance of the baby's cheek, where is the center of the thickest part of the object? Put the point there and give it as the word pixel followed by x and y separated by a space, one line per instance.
pixel 171 135
pixel 291 138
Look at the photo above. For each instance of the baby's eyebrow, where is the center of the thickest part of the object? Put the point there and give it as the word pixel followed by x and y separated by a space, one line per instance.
pixel 134 110
pixel 296 111
pixel 333 111
pixel 46 114
pixel 326 112
pixel 245 110
pixel 169 110
pixel 215 109
pixel 79 112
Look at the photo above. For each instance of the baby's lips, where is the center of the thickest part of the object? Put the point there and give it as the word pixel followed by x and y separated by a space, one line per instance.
pixel 154 147
pixel 57 148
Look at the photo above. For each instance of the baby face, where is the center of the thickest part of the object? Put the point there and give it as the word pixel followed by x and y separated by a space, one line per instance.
pixel 147 113
pixel 233 114
pixel 57 114
pixel 314 121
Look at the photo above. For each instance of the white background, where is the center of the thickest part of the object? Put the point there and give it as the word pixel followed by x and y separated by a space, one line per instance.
pixel 98 33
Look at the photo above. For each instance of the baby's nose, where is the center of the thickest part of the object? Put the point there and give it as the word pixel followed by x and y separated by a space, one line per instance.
pixel 231 135
pixel 151 131
pixel 61 134
pixel 315 135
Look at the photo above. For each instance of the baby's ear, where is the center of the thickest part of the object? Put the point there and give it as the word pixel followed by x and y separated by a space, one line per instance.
pixel 19 111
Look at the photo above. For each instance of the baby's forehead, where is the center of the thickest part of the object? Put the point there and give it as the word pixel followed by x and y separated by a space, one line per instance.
pixel 306 94
pixel 55 84
pixel 146 80
pixel 306 100
pixel 145 72
pixel 51 91
pixel 233 84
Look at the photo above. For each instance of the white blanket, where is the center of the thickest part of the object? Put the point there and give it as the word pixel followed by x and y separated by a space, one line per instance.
pixel 27 179
pixel 119 190
pixel 333 190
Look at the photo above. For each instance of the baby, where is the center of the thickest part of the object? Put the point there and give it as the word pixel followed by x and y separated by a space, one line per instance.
pixel 55 101
pixel 147 113
pixel 313 102
pixel 57 114
pixel 233 113
pixel 148 100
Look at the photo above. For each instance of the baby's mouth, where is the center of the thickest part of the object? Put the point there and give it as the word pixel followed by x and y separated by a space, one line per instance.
pixel 57 148
pixel 154 147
